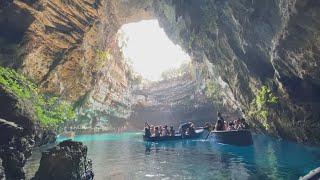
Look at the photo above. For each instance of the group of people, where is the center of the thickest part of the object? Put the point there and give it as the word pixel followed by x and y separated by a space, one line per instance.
pixel 158 131
pixel 237 124
pixel 189 127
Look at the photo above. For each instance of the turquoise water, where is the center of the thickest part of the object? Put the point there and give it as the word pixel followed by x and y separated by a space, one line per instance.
pixel 126 156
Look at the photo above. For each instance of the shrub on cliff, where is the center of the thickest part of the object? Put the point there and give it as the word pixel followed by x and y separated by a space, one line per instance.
pixel 262 103
pixel 51 111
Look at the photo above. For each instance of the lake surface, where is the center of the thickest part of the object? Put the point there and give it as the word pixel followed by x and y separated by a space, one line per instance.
pixel 126 156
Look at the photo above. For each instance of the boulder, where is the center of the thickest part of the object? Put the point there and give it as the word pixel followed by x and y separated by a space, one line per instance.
pixel 67 160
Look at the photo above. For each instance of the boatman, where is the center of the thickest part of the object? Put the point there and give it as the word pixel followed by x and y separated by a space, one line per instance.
pixel 147 131
pixel 220 123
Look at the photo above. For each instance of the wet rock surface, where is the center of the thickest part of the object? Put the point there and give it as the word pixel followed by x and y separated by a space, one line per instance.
pixel 67 160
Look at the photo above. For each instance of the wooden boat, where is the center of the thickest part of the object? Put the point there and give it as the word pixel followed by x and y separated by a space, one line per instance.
pixel 200 133
pixel 234 137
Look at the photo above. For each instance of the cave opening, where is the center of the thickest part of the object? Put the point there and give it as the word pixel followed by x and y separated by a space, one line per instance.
pixel 169 91
pixel 149 51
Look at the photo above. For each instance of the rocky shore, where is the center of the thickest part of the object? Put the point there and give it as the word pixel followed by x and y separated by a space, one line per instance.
pixel 19 133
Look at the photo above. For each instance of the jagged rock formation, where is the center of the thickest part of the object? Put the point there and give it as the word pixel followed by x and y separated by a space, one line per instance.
pixel 250 43
pixel 18 129
pixel 67 160
pixel 19 133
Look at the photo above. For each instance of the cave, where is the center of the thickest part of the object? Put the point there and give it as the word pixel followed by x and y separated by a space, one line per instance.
pixel 211 32
pixel 250 59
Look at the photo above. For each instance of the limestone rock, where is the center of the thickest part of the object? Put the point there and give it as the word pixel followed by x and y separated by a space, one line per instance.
pixel 67 160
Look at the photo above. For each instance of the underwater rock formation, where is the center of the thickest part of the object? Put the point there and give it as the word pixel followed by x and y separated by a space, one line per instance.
pixel 67 160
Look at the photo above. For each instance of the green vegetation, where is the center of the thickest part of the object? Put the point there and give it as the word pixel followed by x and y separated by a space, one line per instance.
pixel 262 104
pixel 50 110
pixel 102 59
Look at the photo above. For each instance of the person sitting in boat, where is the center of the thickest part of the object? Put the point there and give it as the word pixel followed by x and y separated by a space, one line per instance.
pixel 243 124
pixel 172 132
pixel 160 130
pixel 225 125
pixel 147 131
pixel 231 126
pixel 165 131
pixel 191 130
pixel 152 129
pixel 183 127
pixel 156 132
pixel 237 123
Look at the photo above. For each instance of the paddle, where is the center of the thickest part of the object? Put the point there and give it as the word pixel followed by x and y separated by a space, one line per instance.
pixel 208 135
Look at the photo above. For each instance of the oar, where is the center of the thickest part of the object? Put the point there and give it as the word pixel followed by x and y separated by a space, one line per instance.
pixel 208 135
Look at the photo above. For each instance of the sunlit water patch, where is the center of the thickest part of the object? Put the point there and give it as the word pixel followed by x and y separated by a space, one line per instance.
pixel 126 156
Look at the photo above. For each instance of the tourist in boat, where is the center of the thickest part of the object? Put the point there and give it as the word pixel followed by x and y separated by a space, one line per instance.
pixel 160 130
pixel 172 132
pixel 244 124
pixel 231 126
pixel 191 130
pixel 165 131
pixel 225 125
pixel 147 131
pixel 152 129
pixel 156 132
pixel 183 127
pixel 237 123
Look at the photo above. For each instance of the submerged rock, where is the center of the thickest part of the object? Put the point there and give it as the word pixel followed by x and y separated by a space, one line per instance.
pixel 67 160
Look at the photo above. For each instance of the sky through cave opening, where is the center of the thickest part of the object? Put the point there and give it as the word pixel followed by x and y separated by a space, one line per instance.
pixel 148 49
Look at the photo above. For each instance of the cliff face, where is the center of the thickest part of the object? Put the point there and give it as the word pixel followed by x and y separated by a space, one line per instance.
pixel 255 43
pixel 70 48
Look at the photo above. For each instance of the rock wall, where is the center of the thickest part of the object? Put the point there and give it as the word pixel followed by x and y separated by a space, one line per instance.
pixel 253 43
pixel 18 131
pixel 68 47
